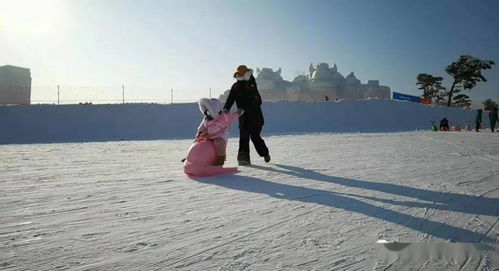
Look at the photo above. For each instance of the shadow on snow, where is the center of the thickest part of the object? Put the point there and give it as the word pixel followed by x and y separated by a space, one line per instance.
pixel 439 200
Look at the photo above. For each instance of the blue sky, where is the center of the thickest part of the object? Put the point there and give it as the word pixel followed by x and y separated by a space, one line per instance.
pixel 190 46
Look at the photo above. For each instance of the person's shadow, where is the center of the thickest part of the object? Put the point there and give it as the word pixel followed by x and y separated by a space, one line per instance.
pixel 463 203
pixel 440 200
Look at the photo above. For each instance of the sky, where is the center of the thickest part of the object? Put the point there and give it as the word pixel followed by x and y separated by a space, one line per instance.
pixel 91 48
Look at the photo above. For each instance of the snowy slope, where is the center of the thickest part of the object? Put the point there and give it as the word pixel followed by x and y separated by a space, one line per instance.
pixel 83 123
pixel 322 204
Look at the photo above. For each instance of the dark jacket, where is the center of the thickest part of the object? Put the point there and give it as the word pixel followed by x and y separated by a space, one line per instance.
pixel 247 97
pixel 493 115
pixel 478 118
pixel 444 123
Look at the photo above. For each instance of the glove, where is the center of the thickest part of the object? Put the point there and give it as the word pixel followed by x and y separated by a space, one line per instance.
pixel 240 111
pixel 202 137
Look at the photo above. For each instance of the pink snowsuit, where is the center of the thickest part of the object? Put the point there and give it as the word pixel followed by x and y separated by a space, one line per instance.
pixel 211 140
pixel 217 130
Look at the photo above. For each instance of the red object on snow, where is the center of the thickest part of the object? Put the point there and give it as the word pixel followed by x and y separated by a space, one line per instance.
pixel 426 101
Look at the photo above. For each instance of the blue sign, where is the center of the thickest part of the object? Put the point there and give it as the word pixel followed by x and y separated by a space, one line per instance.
pixel 405 97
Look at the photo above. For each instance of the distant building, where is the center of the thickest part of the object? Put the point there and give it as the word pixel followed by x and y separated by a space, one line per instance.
pixel 15 85
pixel 321 81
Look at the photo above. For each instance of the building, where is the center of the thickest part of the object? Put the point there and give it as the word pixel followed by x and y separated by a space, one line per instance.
pixel 321 81
pixel 15 85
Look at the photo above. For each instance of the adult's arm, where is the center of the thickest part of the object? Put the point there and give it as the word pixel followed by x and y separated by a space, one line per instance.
pixel 230 100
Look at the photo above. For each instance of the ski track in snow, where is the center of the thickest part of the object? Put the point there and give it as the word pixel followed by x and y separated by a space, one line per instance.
pixel 321 204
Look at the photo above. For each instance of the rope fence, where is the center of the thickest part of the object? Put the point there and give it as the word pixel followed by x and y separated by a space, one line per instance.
pixel 67 94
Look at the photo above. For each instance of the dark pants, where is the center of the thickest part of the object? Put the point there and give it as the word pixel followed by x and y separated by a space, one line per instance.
pixel 492 125
pixel 252 132
pixel 478 126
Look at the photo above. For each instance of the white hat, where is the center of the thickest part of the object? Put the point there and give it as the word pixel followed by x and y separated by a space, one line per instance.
pixel 210 107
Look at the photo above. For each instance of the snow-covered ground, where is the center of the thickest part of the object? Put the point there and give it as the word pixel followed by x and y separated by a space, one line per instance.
pixel 321 204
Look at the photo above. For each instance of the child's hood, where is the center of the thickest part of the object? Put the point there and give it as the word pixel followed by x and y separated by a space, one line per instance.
pixel 210 107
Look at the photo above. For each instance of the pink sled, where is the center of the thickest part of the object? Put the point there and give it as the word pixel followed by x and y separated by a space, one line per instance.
pixel 200 159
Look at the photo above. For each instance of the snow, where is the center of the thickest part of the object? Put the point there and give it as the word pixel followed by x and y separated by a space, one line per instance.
pixel 89 123
pixel 323 203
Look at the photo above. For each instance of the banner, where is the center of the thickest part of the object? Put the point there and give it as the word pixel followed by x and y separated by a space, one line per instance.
pixel 405 97
pixel 426 101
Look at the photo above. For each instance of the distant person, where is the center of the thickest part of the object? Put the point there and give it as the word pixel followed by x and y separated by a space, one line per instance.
pixel 215 126
pixel 468 127
pixel 433 126
pixel 493 118
pixel 478 120
pixel 444 125
pixel 326 99
pixel 245 93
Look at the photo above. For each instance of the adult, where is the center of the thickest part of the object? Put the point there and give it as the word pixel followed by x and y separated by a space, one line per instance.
pixel 444 125
pixel 493 118
pixel 245 94
pixel 478 120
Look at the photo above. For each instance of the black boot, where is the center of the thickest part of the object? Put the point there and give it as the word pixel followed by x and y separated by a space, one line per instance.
pixel 267 158
pixel 243 158
pixel 219 160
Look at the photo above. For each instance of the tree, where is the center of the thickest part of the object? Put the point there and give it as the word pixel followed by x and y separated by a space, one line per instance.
pixel 431 86
pixel 489 104
pixel 467 72
pixel 462 100
pixel 440 99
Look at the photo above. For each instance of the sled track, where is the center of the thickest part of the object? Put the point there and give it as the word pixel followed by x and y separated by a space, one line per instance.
pixel 486 157
pixel 488 231
pixel 175 263
pixel 467 204
pixel 155 220
pixel 236 239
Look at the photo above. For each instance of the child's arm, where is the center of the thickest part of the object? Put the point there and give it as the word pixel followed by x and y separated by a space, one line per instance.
pixel 201 129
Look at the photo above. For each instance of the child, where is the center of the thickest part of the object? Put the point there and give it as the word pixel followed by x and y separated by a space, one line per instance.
pixel 468 127
pixel 433 126
pixel 215 126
